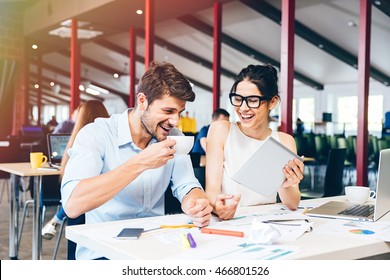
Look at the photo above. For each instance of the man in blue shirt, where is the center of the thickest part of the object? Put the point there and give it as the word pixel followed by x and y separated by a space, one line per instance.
pixel 200 141
pixel 120 167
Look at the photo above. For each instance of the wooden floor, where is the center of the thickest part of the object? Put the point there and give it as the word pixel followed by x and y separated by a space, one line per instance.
pixel 26 244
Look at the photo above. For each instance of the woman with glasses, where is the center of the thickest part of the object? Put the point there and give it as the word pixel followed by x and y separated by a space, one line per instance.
pixel 229 145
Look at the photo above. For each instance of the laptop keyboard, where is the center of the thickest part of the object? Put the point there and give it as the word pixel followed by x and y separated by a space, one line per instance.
pixel 359 210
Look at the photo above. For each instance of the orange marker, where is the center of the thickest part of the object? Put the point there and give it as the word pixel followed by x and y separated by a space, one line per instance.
pixel 222 232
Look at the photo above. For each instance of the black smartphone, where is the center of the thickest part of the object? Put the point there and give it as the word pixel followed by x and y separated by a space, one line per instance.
pixel 130 233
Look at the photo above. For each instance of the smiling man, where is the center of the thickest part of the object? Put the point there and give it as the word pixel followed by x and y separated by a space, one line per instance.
pixel 120 167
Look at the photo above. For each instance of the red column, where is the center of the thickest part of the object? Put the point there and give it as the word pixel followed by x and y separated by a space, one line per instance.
pixel 39 90
pixel 363 86
pixel 217 54
pixel 132 61
pixel 74 68
pixel 149 32
pixel 287 64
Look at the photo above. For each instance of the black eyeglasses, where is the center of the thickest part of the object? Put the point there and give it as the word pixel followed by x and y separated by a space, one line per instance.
pixel 252 101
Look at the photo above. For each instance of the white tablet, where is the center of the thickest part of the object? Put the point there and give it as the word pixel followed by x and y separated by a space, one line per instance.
pixel 262 172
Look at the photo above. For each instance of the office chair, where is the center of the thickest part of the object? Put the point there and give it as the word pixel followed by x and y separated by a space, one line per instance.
pixel 72 245
pixel 333 183
pixel 322 148
pixel 51 196
pixel 195 159
pixel 200 174
pixel 171 204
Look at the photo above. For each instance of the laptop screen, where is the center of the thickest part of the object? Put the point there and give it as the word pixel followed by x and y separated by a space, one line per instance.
pixel 56 146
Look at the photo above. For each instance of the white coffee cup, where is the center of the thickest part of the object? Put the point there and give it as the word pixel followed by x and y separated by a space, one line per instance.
pixel 358 194
pixel 183 144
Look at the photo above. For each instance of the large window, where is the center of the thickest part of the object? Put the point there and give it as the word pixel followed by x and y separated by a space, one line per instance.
pixel 347 108
pixel 304 108
pixel 61 112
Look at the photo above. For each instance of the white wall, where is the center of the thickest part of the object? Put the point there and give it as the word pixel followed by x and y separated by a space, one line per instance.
pixel 115 105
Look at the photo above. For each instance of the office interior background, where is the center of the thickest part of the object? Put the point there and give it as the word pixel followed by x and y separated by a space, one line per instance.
pixel 35 35
pixel 35 50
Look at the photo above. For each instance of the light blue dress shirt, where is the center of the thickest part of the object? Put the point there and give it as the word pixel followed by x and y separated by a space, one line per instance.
pixel 104 145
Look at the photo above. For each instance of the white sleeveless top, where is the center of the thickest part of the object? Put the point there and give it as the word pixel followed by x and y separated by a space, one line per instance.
pixel 238 149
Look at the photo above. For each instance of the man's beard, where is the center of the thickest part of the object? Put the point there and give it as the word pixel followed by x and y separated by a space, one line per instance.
pixel 149 129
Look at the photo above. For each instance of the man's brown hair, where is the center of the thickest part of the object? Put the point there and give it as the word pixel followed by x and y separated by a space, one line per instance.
pixel 164 79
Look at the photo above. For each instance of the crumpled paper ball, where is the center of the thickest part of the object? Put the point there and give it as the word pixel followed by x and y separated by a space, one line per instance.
pixel 263 233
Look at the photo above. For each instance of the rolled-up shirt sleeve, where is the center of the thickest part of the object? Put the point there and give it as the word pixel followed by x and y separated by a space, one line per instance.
pixel 85 160
pixel 183 178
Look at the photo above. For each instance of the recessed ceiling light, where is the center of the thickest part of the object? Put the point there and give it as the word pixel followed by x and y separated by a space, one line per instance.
pixel 36 86
pixel 139 12
pixel 52 84
pixel 351 23
pixel 116 75
pixel 34 47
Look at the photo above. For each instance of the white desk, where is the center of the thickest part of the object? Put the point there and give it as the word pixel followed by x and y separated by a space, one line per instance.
pixel 99 237
pixel 24 169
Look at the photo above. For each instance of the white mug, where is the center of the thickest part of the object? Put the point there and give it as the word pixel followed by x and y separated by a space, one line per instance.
pixel 183 144
pixel 358 194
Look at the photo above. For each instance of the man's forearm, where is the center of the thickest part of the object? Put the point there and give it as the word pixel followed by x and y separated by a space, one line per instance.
pixel 92 192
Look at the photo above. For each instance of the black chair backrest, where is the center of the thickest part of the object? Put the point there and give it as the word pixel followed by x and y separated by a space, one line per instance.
pixel 200 174
pixel 302 145
pixel 334 172
pixel 71 245
pixel 195 159
pixel 171 204
pixel 51 190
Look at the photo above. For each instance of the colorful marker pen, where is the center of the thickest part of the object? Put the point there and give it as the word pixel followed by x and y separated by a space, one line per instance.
pixel 222 232
pixel 191 240
pixel 184 241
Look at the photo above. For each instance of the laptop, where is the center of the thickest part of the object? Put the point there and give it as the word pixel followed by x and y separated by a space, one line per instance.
pixel 262 172
pixel 342 209
pixel 56 144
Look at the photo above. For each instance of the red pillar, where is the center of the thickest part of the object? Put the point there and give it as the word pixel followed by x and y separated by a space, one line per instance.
pixel 39 90
pixel 149 32
pixel 74 68
pixel 217 54
pixel 363 87
pixel 132 61
pixel 287 64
